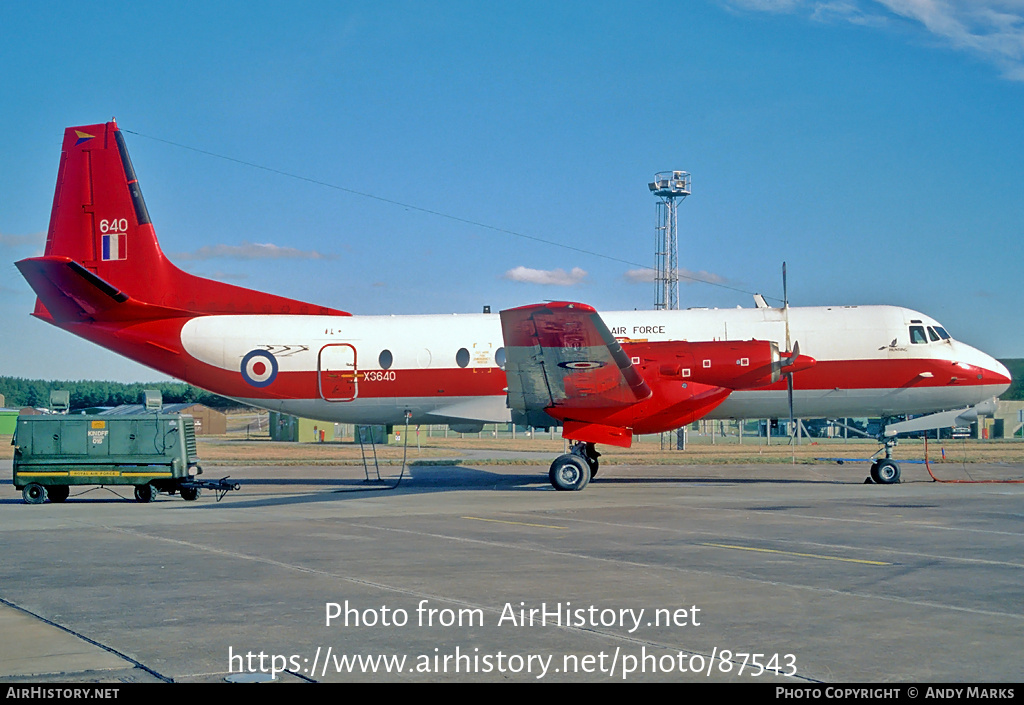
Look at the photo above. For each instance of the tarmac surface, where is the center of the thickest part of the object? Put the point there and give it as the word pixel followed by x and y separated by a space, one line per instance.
pixel 822 577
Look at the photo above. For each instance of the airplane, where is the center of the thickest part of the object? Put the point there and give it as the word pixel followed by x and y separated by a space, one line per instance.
pixel 601 377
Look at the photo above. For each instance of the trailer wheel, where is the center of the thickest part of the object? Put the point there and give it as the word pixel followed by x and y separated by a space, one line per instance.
pixel 189 494
pixel 58 493
pixel 34 494
pixel 145 493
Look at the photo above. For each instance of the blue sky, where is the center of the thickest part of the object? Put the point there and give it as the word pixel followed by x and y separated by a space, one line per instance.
pixel 874 145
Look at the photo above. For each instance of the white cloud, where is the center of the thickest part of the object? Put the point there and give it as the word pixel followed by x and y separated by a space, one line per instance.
pixel 990 29
pixel 640 276
pixel 553 277
pixel 848 11
pixel 686 276
pixel 21 240
pixel 765 5
pixel 249 250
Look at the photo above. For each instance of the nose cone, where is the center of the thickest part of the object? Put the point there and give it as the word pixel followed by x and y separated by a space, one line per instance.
pixel 992 374
pixel 1000 375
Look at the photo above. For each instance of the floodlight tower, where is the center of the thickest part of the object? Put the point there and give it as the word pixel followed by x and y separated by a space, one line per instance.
pixel 669 187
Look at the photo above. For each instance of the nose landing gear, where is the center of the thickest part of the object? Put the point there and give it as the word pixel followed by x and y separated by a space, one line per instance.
pixel 886 471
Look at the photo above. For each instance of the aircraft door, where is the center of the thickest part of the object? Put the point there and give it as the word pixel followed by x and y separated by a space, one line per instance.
pixel 336 372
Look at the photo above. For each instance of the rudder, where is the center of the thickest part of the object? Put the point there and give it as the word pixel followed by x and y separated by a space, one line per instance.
pixel 99 213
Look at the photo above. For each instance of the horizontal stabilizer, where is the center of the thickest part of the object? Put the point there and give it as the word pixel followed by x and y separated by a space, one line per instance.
pixel 73 294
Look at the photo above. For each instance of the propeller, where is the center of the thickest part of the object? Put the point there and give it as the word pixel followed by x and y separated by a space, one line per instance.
pixel 790 361
pixel 793 355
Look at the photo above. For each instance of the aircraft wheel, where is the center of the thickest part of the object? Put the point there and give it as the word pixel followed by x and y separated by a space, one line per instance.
pixel 58 493
pixel 145 493
pixel 189 494
pixel 569 473
pixel 33 494
pixel 885 472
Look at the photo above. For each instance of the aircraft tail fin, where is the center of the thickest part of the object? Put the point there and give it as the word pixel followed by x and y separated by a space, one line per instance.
pixel 100 221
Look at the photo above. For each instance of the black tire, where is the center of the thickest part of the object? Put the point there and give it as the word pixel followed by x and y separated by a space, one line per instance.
pixel 189 494
pixel 145 493
pixel 885 472
pixel 58 493
pixel 33 494
pixel 569 473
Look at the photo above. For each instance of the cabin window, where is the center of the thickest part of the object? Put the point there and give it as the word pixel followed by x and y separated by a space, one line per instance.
pixel 499 357
pixel 385 360
pixel 917 336
pixel 462 357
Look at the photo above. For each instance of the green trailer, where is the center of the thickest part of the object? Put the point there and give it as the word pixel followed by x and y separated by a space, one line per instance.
pixel 152 452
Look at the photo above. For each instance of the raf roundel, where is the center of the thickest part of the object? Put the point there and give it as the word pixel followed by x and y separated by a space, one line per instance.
pixel 581 365
pixel 259 368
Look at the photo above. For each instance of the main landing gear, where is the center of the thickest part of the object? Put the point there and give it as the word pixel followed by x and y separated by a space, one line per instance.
pixel 574 470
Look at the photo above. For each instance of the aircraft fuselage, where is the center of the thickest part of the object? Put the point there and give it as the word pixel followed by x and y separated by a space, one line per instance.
pixel 448 368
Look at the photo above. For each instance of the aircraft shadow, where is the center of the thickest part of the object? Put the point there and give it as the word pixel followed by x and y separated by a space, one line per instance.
pixel 421 480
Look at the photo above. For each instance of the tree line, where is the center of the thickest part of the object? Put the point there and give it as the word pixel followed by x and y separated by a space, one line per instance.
pixel 19 392
pixel 1016 390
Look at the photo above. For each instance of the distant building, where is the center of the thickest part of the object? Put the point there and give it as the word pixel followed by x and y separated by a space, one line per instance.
pixel 284 427
pixel 1007 423
pixel 209 422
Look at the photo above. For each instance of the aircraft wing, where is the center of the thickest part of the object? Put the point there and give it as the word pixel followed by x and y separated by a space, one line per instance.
pixel 561 356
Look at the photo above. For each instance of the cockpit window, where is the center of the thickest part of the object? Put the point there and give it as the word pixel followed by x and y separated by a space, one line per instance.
pixel 932 335
pixel 917 336
pixel 942 332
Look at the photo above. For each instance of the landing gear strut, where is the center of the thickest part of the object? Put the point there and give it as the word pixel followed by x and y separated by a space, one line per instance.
pixel 588 452
pixel 574 470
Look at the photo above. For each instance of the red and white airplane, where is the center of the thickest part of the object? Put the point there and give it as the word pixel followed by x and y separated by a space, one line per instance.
pixel 602 378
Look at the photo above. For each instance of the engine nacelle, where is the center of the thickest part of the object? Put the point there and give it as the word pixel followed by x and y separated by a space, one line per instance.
pixel 731 364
